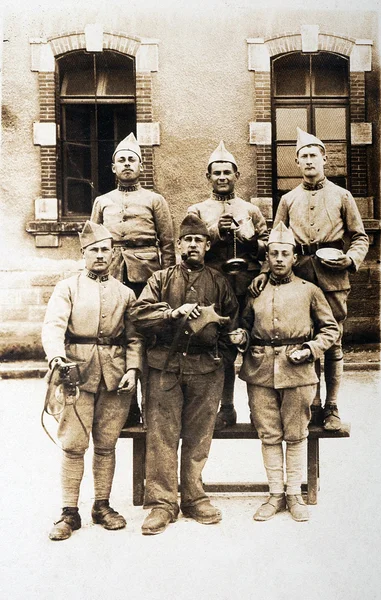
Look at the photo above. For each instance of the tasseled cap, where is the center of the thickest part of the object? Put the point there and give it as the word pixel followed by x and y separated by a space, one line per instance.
pixel 92 233
pixel 129 143
pixel 220 154
pixel 306 139
pixel 192 225
pixel 281 235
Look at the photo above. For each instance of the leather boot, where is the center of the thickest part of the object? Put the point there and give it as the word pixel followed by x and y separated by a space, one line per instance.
pixel 331 418
pixel 204 513
pixel 103 514
pixel 69 521
pixel 297 508
pixel 157 521
pixel 274 504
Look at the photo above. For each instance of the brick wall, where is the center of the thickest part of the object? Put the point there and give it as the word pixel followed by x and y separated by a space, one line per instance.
pixel 23 299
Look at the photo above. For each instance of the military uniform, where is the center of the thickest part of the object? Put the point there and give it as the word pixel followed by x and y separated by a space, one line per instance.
pixel 87 322
pixel 141 226
pixel 289 315
pixel 246 240
pixel 325 215
pixel 210 211
pixel 185 380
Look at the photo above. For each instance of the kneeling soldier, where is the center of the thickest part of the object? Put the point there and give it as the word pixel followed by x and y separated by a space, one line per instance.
pixel 288 327
pixel 87 322
pixel 188 309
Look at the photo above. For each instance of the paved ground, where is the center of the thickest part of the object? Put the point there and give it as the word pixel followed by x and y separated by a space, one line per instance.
pixel 332 557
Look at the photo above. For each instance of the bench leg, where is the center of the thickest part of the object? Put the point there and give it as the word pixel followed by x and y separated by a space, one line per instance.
pixel 138 471
pixel 312 470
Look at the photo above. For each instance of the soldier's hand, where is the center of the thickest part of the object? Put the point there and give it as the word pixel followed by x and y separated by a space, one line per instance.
pixel 300 356
pixel 177 313
pixel 128 382
pixel 225 223
pixel 339 264
pixel 258 284
pixel 58 361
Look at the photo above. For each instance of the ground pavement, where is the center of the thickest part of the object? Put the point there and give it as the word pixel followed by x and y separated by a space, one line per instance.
pixel 335 556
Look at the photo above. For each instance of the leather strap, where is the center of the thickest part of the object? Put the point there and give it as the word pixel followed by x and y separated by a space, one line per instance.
pixel 134 243
pixel 310 249
pixel 279 342
pixel 99 341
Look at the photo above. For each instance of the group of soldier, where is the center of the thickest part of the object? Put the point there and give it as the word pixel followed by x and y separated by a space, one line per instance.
pixel 135 312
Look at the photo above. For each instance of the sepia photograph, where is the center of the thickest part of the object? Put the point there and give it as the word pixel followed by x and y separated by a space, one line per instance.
pixel 190 300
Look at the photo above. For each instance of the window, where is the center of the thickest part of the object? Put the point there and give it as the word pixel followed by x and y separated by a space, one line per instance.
pixel 97 106
pixel 310 91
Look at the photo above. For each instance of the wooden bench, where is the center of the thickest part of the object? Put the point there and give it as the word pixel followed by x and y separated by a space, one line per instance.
pixel 241 431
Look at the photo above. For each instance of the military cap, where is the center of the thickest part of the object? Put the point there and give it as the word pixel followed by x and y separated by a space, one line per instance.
pixel 129 143
pixel 192 225
pixel 92 233
pixel 220 154
pixel 281 235
pixel 306 139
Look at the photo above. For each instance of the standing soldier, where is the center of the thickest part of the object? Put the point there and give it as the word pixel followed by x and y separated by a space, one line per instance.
pixel 187 311
pixel 87 322
pixel 288 327
pixel 140 223
pixel 238 236
pixel 322 215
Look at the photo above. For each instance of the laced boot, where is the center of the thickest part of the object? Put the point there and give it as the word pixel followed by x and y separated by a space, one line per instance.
pixel 226 417
pixel 69 521
pixel 274 504
pixel 331 418
pixel 103 514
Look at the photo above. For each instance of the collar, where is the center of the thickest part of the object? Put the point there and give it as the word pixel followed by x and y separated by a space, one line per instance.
pixel 95 277
pixel 223 197
pixel 129 188
pixel 277 281
pixel 185 268
pixel 314 186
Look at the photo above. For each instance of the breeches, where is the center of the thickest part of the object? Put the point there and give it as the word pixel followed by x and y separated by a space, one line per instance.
pixel 103 414
pixel 338 303
pixel 175 408
pixel 281 414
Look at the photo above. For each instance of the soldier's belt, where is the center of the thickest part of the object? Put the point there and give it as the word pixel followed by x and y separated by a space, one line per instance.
pixel 310 249
pixel 99 341
pixel 279 341
pixel 135 243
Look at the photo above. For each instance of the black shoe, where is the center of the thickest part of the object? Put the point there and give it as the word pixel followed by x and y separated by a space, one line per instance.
pixel 104 515
pixel 69 521
pixel 134 416
pixel 226 417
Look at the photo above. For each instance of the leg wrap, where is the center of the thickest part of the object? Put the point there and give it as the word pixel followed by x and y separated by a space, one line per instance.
pixel 295 461
pixel 333 372
pixel 103 472
pixel 273 461
pixel 72 468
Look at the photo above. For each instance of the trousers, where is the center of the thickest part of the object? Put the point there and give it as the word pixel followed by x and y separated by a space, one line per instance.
pixel 179 406
pixel 281 414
